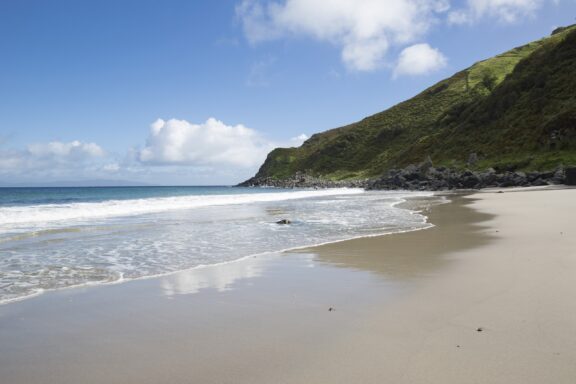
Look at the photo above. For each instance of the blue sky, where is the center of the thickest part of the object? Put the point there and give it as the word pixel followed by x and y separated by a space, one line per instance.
pixel 197 92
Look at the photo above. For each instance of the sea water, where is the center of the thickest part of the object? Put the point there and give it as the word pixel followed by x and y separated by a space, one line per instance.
pixel 53 238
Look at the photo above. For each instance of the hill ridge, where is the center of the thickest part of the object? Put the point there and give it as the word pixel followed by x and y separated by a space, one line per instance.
pixel 457 117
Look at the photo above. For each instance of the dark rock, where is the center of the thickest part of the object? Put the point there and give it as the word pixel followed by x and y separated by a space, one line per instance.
pixel 410 169
pixel 532 176
pixel 559 176
pixel 538 182
pixel 284 221
pixel 470 180
pixel 570 176
pixel 488 178
pixel 441 179
pixel 425 177
pixel 302 180
pixel 507 180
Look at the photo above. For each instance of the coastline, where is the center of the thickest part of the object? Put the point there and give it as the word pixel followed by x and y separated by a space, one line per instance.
pixel 417 199
pixel 406 309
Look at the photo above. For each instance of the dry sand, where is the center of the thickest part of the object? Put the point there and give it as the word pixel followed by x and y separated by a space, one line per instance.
pixel 501 313
pixel 407 309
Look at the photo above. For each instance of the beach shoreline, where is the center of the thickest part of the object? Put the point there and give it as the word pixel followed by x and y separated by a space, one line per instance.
pixel 412 201
pixel 483 296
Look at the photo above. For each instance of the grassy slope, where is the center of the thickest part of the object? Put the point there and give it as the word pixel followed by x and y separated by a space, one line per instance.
pixel 496 108
pixel 527 122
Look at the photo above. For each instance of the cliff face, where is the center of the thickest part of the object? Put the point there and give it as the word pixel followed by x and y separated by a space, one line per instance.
pixel 515 111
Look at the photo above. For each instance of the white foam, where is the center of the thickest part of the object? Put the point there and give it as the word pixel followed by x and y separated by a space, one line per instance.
pixel 165 249
pixel 35 214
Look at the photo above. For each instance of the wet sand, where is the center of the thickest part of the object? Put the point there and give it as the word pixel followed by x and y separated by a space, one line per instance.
pixel 406 308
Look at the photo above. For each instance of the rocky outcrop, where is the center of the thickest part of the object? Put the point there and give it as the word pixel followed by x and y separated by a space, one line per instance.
pixel 302 180
pixel 425 177
pixel 570 176
pixel 436 179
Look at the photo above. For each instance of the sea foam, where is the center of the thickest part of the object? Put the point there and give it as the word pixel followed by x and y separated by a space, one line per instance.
pixel 47 213
pixel 53 246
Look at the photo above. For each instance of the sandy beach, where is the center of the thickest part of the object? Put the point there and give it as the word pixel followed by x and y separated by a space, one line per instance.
pixel 485 296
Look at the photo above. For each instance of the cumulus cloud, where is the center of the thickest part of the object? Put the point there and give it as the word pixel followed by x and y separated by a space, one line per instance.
pixel 213 143
pixel 50 162
pixel 54 157
pixel 507 11
pixel 59 151
pixel 419 59
pixel 176 151
pixel 364 30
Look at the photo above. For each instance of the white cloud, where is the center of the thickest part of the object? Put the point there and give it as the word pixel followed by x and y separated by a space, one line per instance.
pixel 419 59
pixel 53 161
pixel 111 167
pixel 213 143
pixel 298 140
pixel 364 30
pixel 59 151
pixel 176 152
pixel 52 157
pixel 11 161
pixel 507 11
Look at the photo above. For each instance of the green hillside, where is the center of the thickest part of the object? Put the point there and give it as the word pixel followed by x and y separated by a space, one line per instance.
pixel 516 110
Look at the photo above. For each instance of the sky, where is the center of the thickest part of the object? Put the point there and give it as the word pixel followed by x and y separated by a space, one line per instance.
pixel 197 92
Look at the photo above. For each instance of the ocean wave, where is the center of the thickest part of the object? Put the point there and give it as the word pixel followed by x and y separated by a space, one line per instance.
pixel 46 213
pixel 88 251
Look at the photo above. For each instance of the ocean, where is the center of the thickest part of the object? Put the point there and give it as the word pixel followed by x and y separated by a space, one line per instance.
pixel 53 238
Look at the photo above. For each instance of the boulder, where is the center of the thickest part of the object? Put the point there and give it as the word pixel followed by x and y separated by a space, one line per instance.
pixel 570 176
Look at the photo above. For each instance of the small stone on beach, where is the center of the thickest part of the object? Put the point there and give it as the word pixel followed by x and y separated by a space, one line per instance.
pixel 479 329
pixel 331 309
